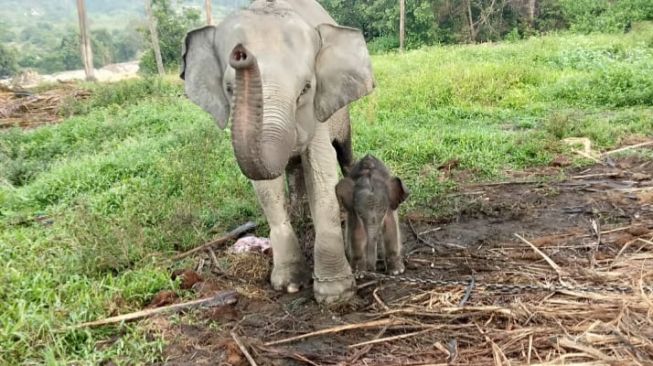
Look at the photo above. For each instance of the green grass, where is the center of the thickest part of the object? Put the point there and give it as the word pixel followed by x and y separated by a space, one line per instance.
pixel 138 172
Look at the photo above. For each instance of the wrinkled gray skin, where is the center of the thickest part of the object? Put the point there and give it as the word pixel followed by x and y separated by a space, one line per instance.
pixel 371 197
pixel 285 72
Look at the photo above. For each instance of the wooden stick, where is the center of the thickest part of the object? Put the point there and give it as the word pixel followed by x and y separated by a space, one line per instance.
pixel 588 156
pixel 233 234
pixel 341 328
pixel 216 264
pixel 243 349
pixel 546 257
pixel 430 231
pixel 378 299
pixel 222 298
pixel 647 143
pixel 598 175
pixel 512 182
pixel 388 339
pixel 468 292
pixel 419 237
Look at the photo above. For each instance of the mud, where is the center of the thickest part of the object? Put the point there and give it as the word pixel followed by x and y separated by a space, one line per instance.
pixel 561 216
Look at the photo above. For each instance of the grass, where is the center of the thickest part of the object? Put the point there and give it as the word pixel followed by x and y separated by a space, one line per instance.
pixel 89 208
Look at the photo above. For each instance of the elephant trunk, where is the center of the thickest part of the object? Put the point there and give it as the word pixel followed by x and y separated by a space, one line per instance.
pixel 261 137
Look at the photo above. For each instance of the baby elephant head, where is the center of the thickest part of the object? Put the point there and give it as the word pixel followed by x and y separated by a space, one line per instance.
pixel 371 196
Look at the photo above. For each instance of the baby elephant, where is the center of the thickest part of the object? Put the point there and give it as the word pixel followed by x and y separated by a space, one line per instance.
pixel 371 196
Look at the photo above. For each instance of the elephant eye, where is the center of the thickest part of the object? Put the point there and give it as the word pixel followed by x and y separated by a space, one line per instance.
pixel 307 86
pixel 230 89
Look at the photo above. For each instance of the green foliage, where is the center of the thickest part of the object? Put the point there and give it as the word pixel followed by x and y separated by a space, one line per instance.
pixel 379 21
pixel 139 172
pixel 171 27
pixel 122 94
pixel 8 63
pixel 442 21
pixel 586 16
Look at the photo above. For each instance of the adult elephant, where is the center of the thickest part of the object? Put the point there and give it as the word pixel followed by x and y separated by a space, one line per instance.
pixel 285 73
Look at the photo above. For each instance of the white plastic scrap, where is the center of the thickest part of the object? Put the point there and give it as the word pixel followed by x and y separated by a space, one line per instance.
pixel 251 244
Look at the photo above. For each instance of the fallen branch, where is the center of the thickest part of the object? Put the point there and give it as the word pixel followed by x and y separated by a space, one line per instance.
pixel 588 156
pixel 233 234
pixel 420 238
pixel 505 183
pixel 468 292
pixel 243 349
pixel 546 257
pixel 341 328
pixel 222 298
pixel 647 143
pixel 388 339
pixel 597 175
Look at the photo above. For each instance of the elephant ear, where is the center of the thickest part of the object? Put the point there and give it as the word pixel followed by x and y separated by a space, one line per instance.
pixel 397 191
pixel 343 69
pixel 201 70
pixel 345 193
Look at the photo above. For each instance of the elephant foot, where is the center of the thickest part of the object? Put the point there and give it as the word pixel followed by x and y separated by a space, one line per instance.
pixel 395 266
pixel 332 291
pixel 290 277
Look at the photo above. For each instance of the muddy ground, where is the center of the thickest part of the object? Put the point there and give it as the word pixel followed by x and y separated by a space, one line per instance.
pixel 593 227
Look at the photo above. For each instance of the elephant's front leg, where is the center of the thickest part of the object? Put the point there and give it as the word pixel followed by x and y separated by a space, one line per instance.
pixel 289 271
pixel 333 279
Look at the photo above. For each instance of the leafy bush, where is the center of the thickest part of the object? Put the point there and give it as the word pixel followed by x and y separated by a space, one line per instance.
pixel 586 16
pixel 383 44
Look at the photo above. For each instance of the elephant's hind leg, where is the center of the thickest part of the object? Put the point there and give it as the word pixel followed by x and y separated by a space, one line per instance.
pixel 341 135
pixel 298 202
pixel 289 271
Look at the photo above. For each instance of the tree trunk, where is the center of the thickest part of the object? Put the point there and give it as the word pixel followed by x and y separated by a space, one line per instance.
pixel 531 11
pixel 402 20
pixel 209 12
pixel 472 31
pixel 85 41
pixel 154 36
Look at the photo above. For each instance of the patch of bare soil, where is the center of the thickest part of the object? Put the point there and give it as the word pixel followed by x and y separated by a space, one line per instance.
pixel 593 228
pixel 27 109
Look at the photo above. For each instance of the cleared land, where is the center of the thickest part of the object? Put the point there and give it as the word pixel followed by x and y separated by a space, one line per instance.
pixel 93 208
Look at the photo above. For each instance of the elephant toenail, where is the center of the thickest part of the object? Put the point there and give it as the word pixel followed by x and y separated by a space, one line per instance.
pixel 292 288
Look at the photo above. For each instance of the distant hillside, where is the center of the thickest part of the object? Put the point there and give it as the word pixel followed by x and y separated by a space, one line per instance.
pixel 43 34
pixel 17 15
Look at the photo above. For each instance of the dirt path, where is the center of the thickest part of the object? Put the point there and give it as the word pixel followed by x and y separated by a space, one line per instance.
pixel 595 228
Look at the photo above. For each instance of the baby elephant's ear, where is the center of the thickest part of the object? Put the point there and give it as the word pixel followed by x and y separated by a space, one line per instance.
pixel 345 193
pixel 397 191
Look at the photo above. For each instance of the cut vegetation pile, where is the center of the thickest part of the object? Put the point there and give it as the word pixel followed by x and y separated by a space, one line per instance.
pixel 32 109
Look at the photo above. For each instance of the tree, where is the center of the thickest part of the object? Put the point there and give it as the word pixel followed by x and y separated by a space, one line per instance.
pixel 402 27
pixel 8 63
pixel 154 37
pixel 171 28
pixel 85 41
pixel 208 11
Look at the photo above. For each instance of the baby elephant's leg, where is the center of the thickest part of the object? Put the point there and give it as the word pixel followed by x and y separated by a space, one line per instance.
pixel 356 242
pixel 392 238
